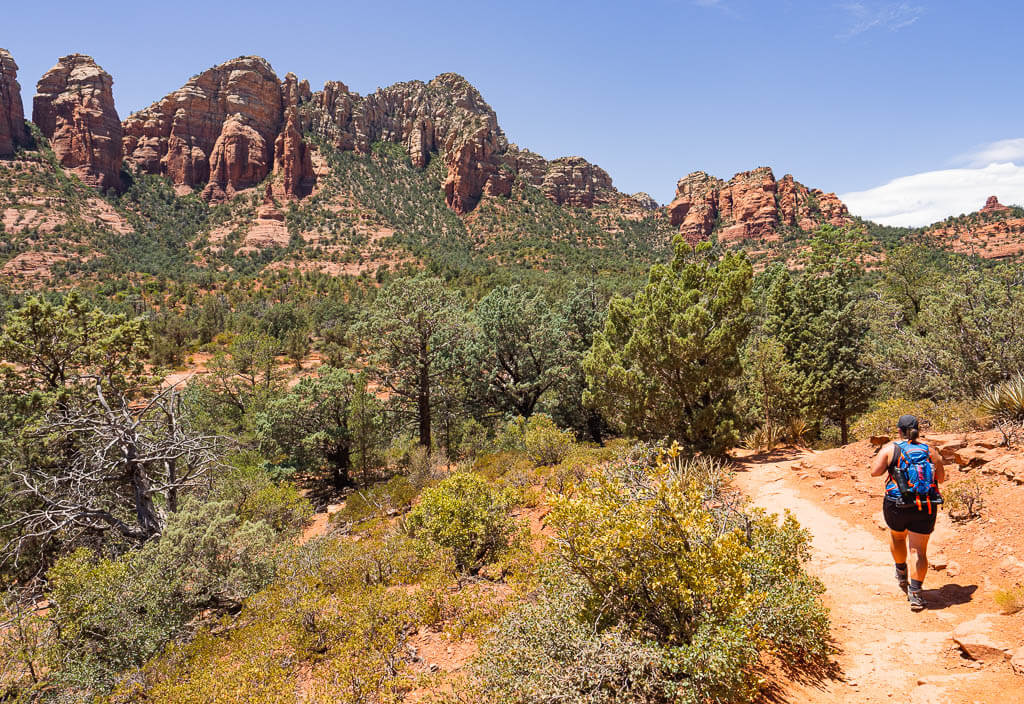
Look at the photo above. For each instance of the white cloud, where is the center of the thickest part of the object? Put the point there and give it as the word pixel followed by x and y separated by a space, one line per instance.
pixel 921 199
pixel 994 153
pixel 892 16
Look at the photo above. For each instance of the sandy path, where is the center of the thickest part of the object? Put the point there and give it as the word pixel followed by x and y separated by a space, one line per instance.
pixel 887 653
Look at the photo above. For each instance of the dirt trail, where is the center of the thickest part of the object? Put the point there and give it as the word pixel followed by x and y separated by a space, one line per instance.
pixel 887 653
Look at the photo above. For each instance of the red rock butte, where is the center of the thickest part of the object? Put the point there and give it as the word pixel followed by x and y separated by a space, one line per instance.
pixel 752 205
pixel 12 114
pixel 232 126
pixel 992 205
pixel 74 108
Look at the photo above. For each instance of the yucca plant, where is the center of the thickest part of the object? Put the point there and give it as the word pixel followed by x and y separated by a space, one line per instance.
pixel 796 430
pixel 1004 404
pixel 765 438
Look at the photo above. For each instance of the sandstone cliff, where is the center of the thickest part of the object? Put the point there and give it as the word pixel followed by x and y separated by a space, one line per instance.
pixel 446 116
pixel 234 124
pixel 12 114
pixel 218 129
pixel 74 109
pixel 752 205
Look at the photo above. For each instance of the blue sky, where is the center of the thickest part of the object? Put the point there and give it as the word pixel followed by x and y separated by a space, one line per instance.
pixel 846 96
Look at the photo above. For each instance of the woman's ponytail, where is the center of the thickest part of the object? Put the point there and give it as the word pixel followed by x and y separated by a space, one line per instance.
pixel 913 435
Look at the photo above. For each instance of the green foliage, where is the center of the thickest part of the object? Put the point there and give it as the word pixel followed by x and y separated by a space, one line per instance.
pixel 519 349
pixel 54 347
pixel 1010 600
pixel 965 499
pixel 965 338
pixel 545 443
pixel 112 614
pixel 413 335
pixel 543 653
pixel 723 588
pixel 464 514
pixel 663 364
pixel 936 416
pixel 381 499
pixel 326 422
pixel 280 506
pixel 1005 400
pixel 819 320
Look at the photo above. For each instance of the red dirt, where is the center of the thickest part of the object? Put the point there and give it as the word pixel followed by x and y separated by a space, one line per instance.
pixel 886 652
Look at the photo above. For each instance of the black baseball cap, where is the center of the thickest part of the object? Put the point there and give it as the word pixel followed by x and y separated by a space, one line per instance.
pixel 908 422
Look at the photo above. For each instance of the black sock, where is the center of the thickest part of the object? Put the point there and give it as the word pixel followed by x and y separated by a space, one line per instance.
pixel 901 566
pixel 916 584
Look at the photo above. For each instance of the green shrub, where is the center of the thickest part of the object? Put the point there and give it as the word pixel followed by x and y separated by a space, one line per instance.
pixel 541 652
pixel 545 442
pixel 937 416
pixel 394 495
pixel 466 515
pixel 1011 600
pixel 723 589
pixel 112 614
pixel 280 506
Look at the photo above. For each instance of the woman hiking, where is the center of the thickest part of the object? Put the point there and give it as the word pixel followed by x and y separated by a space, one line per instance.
pixel 911 503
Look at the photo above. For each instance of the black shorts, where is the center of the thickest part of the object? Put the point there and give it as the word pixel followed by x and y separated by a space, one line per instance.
pixel 901 518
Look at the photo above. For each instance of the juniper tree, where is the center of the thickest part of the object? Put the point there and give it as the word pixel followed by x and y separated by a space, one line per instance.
pixel 664 364
pixel 819 319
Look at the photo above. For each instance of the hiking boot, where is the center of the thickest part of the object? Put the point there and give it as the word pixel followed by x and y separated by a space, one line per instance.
pixel 915 599
pixel 903 580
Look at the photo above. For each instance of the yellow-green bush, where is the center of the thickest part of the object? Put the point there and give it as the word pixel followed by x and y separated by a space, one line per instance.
pixel 545 442
pixel 965 499
pixel 396 494
pixel 466 515
pixel 936 416
pixel 662 592
pixel 280 506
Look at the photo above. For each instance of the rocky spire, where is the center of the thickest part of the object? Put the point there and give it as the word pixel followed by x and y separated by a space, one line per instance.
pixel 12 114
pixel 74 109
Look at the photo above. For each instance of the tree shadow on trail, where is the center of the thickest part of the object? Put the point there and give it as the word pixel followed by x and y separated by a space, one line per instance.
pixel 742 459
pixel 948 595
pixel 783 672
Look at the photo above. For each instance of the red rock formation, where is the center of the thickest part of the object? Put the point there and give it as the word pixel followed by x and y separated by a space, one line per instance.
pixel 12 114
pixel 292 156
pixel 219 129
pixel 447 116
pixel 992 205
pixel 573 180
pixel 751 206
pixel 695 207
pixel 74 108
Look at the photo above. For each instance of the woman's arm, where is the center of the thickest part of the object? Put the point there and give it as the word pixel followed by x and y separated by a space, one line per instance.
pixel 880 465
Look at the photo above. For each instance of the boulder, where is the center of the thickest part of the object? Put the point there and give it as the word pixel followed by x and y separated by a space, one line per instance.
pixel 1017 661
pixel 12 113
pixel 74 108
pixel 832 472
pixel 976 639
pixel 879 440
pixel 972 456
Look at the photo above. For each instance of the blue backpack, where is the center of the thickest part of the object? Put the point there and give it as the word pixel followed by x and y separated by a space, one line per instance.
pixel 914 476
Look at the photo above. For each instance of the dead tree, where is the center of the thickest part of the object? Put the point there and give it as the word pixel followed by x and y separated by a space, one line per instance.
pixel 120 467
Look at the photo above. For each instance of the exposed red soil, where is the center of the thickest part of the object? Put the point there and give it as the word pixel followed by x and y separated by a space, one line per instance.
pixel 886 652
